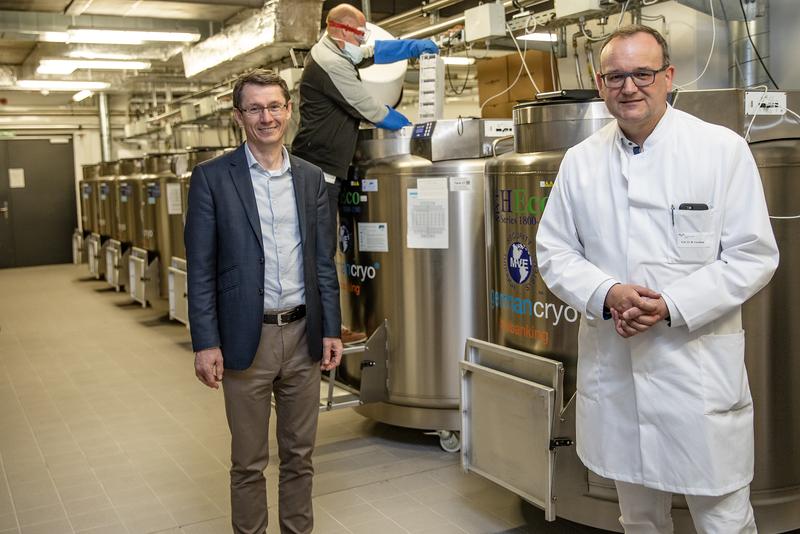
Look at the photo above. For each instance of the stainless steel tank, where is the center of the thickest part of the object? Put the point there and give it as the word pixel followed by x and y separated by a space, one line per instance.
pixel 772 346
pixel 155 212
pixel 86 187
pixel 411 251
pixel 178 192
pixel 128 200
pixel 518 183
pixel 106 199
pixel 523 313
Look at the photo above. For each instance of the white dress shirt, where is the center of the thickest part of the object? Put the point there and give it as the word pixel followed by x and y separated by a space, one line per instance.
pixel 280 232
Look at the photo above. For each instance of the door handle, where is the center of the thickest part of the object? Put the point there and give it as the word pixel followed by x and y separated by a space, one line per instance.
pixel 4 209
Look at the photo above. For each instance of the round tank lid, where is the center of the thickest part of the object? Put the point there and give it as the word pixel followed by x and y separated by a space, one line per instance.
pixel 540 111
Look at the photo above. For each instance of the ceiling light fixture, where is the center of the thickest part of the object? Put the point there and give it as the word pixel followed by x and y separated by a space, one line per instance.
pixel 68 66
pixel 540 36
pixel 458 60
pixel 82 95
pixel 61 85
pixel 128 37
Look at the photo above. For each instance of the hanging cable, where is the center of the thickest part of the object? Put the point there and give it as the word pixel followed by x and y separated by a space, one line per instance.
pixel 511 86
pixel 522 57
pixel 758 106
pixel 622 13
pixel 753 44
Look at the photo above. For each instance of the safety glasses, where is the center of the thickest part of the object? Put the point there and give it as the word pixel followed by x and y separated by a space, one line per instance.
pixel 361 33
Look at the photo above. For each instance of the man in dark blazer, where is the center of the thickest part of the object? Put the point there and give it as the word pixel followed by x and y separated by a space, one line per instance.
pixel 263 301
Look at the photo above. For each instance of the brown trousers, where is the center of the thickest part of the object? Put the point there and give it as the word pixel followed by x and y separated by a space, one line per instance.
pixel 283 367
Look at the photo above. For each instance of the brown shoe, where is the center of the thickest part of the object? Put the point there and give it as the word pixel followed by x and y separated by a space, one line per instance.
pixel 351 338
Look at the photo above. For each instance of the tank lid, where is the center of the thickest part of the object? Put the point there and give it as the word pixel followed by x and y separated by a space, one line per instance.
pixel 556 110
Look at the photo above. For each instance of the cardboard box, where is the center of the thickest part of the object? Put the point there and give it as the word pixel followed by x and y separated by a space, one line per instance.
pixel 497 111
pixel 539 64
pixel 492 79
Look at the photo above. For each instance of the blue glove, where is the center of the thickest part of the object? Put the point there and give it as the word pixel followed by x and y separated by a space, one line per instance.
pixel 400 49
pixel 393 121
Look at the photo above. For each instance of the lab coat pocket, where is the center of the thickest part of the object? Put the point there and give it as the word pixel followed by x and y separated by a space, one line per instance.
pixel 589 362
pixel 724 376
pixel 695 235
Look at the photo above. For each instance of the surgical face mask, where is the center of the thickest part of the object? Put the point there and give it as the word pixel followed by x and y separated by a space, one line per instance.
pixel 353 52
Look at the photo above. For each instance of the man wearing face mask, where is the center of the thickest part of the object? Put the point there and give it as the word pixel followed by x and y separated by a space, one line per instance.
pixel 333 100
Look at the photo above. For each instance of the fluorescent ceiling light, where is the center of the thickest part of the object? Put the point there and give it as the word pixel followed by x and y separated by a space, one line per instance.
pixel 68 66
pixel 129 37
pixel 458 60
pixel 91 54
pixel 61 85
pixel 82 95
pixel 540 36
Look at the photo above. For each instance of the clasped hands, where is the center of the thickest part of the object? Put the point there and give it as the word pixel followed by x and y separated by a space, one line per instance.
pixel 634 308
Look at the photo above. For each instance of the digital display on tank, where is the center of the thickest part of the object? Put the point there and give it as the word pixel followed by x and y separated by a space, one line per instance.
pixel 424 129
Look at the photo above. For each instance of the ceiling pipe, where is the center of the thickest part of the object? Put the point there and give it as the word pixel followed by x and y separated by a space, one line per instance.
pixel 421 11
pixel 366 8
pixel 105 130
pixel 433 29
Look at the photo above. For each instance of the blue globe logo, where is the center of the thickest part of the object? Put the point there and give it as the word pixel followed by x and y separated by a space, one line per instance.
pixel 345 237
pixel 518 261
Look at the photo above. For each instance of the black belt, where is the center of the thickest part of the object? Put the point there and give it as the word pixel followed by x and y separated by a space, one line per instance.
pixel 286 317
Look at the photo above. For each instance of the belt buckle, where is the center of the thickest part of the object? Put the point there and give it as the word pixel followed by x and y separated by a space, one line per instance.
pixel 280 318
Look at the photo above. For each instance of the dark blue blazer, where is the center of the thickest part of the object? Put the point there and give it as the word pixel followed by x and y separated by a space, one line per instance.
pixel 225 258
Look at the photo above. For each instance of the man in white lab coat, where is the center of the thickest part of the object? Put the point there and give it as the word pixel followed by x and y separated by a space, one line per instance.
pixel 657 231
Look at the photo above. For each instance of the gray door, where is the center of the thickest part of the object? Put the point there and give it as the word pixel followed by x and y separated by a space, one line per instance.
pixel 6 235
pixel 37 228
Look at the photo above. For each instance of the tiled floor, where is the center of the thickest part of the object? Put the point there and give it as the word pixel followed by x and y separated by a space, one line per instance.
pixel 104 429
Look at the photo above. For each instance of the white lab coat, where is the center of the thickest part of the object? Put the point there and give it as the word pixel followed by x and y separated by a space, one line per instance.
pixel 669 408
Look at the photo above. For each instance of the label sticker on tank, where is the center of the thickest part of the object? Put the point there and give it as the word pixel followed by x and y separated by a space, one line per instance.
pixel 498 128
pixel 546 183
pixel 174 204
pixel 460 183
pixel 369 186
pixel 373 237
pixel 151 200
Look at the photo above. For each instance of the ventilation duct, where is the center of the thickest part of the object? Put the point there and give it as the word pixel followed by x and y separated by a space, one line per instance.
pixel 265 37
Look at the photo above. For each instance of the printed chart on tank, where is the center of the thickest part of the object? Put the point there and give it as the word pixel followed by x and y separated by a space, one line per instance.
pixel 427 214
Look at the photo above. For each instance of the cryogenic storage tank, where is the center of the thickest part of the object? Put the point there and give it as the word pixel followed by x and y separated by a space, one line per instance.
pixel 155 211
pixel 528 318
pixel 523 313
pixel 177 198
pixel 128 201
pixel 411 242
pixel 86 186
pixel 106 200
pixel 178 192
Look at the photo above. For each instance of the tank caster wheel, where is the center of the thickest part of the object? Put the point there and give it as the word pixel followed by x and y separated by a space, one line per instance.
pixel 449 441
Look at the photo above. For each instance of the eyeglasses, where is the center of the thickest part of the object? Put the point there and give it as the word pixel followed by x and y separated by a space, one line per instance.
pixel 361 33
pixel 640 77
pixel 276 110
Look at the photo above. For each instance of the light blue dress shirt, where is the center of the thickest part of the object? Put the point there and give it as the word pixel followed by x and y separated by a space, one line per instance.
pixel 280 233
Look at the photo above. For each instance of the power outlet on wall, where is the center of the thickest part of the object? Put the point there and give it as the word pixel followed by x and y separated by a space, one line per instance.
pixel 761 103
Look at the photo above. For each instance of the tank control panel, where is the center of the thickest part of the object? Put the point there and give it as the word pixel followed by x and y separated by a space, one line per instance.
pixel 153 192
pixel 423 130
pixel 462 138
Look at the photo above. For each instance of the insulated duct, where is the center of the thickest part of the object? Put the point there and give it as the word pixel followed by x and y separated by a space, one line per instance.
pixel 266 36
pixel 105 130
pixel 746 69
